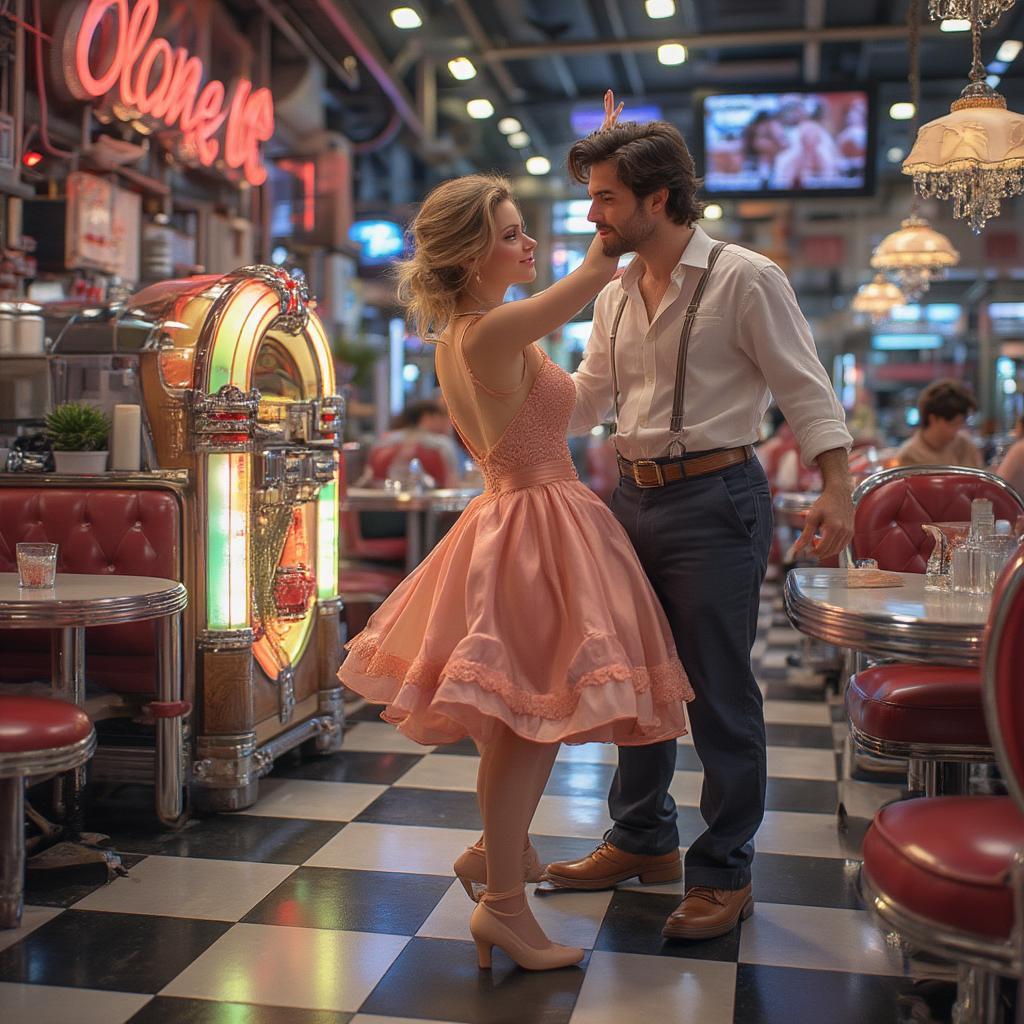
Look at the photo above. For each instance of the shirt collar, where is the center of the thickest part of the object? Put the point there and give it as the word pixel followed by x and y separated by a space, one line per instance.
pixel 696 254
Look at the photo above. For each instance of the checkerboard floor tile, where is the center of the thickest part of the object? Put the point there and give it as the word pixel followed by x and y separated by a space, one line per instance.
pixel 332 900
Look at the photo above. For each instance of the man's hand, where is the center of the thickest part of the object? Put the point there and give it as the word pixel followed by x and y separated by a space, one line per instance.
pixel 831 515
pixel 611 112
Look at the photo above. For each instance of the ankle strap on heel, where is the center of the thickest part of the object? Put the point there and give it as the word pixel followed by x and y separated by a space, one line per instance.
pixel 491 897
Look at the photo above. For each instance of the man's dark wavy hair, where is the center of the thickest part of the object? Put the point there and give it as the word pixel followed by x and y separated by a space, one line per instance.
pixel 647 157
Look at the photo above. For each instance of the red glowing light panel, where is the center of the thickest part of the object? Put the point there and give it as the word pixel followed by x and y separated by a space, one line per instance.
pixel 164 83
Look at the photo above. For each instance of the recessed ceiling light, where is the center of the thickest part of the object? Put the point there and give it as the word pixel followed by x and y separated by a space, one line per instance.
pixel 519 140
pixel 405 17
pixel 955 25
pixel 894 154
pixel 660 8
pixel 901 111
pixel 713 212
pixel 462 68
pixel 480 109
pixel 672 53
pixel 509 126
pixel 1009 50
pixel 538 165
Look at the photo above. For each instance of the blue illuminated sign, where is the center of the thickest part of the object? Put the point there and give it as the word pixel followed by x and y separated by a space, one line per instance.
pixel 380 240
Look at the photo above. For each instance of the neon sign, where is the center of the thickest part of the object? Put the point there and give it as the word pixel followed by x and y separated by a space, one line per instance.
pixel 156 80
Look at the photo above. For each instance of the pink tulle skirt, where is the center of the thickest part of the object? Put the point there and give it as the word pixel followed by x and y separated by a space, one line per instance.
pixel 533 612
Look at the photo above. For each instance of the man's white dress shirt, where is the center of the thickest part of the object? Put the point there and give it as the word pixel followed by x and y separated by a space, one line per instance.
pixel 749 338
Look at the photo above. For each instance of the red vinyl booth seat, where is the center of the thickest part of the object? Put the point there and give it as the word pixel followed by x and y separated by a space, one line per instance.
pixel 887 525
pixel 121 532
pixel 927 704
pixel 948 860
pixel 432 460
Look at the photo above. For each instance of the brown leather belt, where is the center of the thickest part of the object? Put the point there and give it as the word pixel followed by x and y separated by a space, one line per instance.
pixel 649 473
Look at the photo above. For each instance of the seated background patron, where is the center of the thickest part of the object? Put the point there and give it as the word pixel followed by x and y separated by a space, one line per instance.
pixel 940 439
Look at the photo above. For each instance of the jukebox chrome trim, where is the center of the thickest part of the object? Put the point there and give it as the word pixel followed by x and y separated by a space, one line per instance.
pixel 208 640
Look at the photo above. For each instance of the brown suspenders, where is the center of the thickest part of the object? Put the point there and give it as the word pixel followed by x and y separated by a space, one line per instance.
pixel 676 425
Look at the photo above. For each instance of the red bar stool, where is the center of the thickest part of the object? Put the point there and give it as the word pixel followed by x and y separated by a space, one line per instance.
pixel 930 714
pixel 38 736
pixel 948 872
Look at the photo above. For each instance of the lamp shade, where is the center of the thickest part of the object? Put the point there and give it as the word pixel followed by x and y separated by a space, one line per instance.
pixel 877 298
pixel 915 244
pixel 974 155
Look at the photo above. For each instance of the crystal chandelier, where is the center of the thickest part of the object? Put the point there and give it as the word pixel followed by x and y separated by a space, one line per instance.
pixel 960 10
pixel 916 254
pixel 877 298
pixel 975 154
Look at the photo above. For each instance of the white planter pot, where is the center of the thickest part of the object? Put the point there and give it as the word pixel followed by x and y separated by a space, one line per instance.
pixel 80 462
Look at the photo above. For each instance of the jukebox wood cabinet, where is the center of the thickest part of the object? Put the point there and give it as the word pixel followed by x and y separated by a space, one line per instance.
pixel 236 383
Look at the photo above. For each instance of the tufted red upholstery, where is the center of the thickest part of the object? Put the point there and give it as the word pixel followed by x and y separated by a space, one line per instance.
pixel 948 859
pixel 122 532
pixel 934 704
pixel 1004 665
pixel 38 723
pixel 887 521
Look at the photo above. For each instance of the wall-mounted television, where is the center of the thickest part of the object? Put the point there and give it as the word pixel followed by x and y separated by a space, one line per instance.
pixel 796 142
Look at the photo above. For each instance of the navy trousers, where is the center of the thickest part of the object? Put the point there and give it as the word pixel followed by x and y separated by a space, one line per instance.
pixel 704 545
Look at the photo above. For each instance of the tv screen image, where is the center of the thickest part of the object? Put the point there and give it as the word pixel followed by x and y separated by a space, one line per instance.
pixel 795 143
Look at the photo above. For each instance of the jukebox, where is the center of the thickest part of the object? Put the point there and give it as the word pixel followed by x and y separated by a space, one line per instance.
pixel 236 383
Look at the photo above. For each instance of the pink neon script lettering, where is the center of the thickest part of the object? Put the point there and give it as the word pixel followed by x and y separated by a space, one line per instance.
pixel 177 96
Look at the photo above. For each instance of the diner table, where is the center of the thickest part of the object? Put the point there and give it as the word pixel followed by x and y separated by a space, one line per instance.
pixel 421 508
pixel 907 623
pixel 79 601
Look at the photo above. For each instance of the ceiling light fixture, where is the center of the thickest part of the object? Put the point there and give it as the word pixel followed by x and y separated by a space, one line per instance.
pixel 672 53
pixel 975 154
pixel 987 13
pixel 660 8
pixel 916 254
pixel 538 165
pixel 902 111
pixel 519 140
pixel 1009 50
pixel 406 18
pixel 462 68
pixel 479 109
pixel 509 126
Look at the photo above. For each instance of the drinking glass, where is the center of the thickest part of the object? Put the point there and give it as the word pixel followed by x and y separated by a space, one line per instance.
pixel 948 537
pixel 37 565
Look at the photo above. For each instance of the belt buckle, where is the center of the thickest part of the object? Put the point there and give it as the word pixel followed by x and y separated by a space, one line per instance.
pixel 642 480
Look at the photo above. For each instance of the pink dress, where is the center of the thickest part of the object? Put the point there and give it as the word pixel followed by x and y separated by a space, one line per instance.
pixel 533 611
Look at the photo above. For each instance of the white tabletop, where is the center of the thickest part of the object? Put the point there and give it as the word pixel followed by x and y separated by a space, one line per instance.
pixel 907 622
pixel 88 600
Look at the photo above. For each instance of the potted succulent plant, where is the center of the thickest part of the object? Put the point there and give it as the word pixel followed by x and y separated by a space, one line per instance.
pixel 78 435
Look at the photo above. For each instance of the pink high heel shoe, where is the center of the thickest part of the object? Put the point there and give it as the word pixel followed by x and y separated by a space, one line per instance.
pixel 471 868
pixel 489 930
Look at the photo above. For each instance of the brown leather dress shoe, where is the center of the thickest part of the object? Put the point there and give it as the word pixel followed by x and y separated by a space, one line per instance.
pixel 706 913
pixel 608 865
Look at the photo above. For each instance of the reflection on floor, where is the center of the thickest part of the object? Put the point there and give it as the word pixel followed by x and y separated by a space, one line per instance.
pixel 333 900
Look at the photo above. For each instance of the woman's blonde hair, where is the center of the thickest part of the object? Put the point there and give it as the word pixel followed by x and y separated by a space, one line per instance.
pixel 452 234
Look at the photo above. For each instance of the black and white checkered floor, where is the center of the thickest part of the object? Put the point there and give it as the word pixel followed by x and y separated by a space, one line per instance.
pixel 333 900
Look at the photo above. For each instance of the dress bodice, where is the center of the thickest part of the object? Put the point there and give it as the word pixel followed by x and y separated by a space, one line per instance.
pixel 533 448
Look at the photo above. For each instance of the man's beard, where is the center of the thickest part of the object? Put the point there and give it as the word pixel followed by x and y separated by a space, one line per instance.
pixel 635 232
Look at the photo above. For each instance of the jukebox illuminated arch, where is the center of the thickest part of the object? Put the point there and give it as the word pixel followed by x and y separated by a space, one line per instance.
pixel 257 307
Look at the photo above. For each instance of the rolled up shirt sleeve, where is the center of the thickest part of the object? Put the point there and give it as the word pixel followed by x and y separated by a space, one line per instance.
pixel 593 379
pixel 774 334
